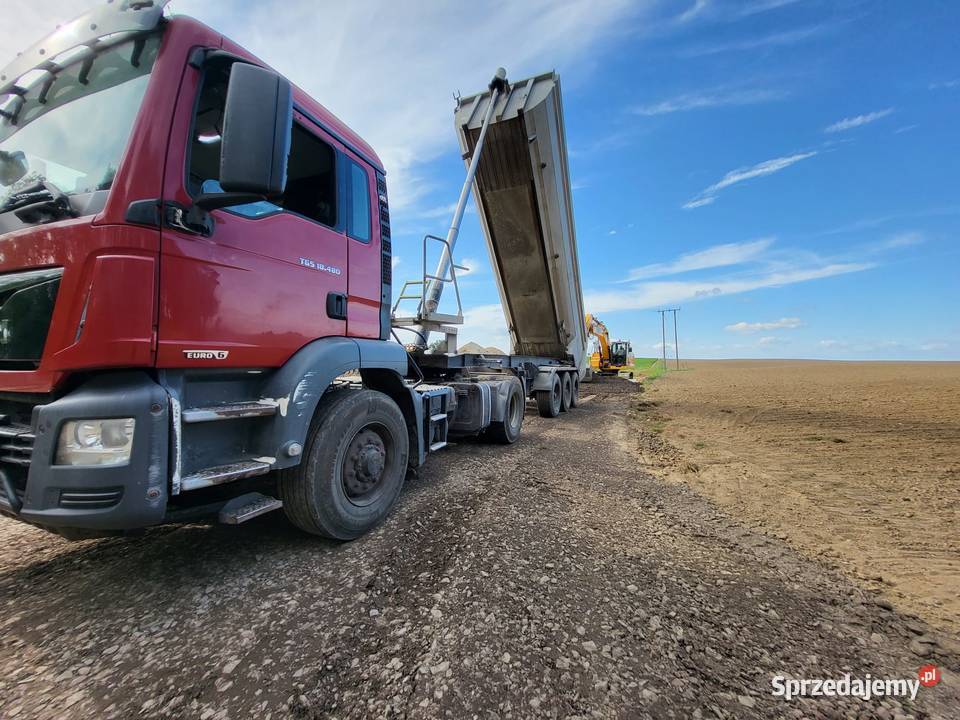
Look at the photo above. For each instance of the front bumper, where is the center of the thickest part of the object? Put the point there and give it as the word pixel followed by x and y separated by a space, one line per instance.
pixel 121 497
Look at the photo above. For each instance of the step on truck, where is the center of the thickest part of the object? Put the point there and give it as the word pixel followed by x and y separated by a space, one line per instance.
pixel 196 316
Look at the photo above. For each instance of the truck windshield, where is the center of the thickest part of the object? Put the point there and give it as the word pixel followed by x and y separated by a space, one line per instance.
pixel 66 132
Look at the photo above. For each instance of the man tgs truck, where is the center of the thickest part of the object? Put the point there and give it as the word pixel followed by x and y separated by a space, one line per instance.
pixel 195 289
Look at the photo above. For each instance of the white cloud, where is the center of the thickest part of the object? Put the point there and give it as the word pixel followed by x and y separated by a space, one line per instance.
pixel 699 202
pixel 945 85
pixel 831 343
pixel 781 324
pixel 26 23
pixel 709 99
pixel 789 37
pixel 904 239
pixel 656 294
pixel 727 12
pixel 873 222
pixel 472 265
pixel 484 325
pixel 388 69
pixel 694 11
pixel 767 167
pixel 770 340
pixel 394 261
pixel 932 346
pixel 441 211
pixel 858 120
pixel 763 6
pixel 716 256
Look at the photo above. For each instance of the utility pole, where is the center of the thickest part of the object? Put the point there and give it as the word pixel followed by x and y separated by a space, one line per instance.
pixel 663 337
pixel 676 340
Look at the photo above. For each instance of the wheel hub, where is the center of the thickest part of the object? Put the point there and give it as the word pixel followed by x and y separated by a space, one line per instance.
pixel 364 464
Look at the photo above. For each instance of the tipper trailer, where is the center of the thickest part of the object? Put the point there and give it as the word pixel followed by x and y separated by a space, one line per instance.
pixel 195 287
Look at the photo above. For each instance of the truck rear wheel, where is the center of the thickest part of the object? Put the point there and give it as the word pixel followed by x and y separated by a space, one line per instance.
pixel 574 390
pixel 508 431
pixel 548 401
pixel 353 466
pixel 567 392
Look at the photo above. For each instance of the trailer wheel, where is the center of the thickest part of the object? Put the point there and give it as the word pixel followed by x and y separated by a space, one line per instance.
pixel 353 466
pixel 508 431
pixel 567 392
pixel 574 390
pixel 548 401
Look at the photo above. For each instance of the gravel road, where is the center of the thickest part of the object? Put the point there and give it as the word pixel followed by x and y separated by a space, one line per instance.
pixel 551 579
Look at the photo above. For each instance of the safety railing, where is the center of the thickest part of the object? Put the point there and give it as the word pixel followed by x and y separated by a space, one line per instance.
pixel 427 285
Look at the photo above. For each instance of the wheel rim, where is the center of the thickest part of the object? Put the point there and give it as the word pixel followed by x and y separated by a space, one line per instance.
pixel 365 464
pixel 557 392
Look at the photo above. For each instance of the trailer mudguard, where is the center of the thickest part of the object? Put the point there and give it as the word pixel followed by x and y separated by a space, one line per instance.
pixel 544 379
pixel 299 384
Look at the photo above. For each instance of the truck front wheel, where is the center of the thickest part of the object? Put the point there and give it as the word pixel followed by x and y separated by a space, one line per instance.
pixel 353 467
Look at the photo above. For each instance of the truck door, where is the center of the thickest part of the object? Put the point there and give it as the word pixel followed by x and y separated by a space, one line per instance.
pixel 259 281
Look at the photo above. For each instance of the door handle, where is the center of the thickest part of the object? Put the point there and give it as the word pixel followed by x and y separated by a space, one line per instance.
pixel 336 306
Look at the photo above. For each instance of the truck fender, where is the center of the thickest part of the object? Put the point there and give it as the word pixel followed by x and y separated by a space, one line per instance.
pixel 305 377
pixel 544 379
pixel 501 396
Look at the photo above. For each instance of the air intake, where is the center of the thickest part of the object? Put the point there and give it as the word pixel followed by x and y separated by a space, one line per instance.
pixel 26 308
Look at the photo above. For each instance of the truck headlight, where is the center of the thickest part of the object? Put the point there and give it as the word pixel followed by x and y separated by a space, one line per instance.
pixel 96 442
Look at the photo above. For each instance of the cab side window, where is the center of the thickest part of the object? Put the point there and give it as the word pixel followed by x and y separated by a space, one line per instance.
pixel 311 178
pixel 358 226
pixel 311 189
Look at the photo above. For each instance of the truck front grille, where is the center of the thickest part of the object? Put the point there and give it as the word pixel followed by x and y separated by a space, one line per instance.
pixel 16 449
pixel 16 445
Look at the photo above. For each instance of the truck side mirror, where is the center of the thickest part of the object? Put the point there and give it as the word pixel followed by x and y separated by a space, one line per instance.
pixel 257 123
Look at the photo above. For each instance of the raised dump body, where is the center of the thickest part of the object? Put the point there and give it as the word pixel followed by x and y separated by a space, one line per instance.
pixel 522 190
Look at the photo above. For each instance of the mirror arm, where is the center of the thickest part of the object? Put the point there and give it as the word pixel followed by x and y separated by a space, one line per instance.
pixel 215 201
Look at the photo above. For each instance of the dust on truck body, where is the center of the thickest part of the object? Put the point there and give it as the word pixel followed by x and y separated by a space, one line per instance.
pixel 195 296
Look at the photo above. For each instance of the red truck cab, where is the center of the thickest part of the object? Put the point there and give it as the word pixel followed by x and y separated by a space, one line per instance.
pixel 191 252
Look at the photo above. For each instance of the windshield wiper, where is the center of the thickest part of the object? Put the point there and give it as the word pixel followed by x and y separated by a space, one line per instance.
pixel 39 203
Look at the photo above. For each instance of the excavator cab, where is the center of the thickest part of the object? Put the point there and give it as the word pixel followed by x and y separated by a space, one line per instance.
pixel 619 351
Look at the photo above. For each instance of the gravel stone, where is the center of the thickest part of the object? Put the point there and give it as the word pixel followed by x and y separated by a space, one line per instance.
pixel 656 604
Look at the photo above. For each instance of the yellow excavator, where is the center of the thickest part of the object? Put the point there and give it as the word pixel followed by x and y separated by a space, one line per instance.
pixel 611 358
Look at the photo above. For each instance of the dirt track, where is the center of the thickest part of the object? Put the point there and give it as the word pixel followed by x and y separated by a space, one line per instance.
pixel 855 462
pixel 554 579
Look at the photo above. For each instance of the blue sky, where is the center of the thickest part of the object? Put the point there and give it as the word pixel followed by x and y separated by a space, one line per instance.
pixel 786 171
pixel 789 178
